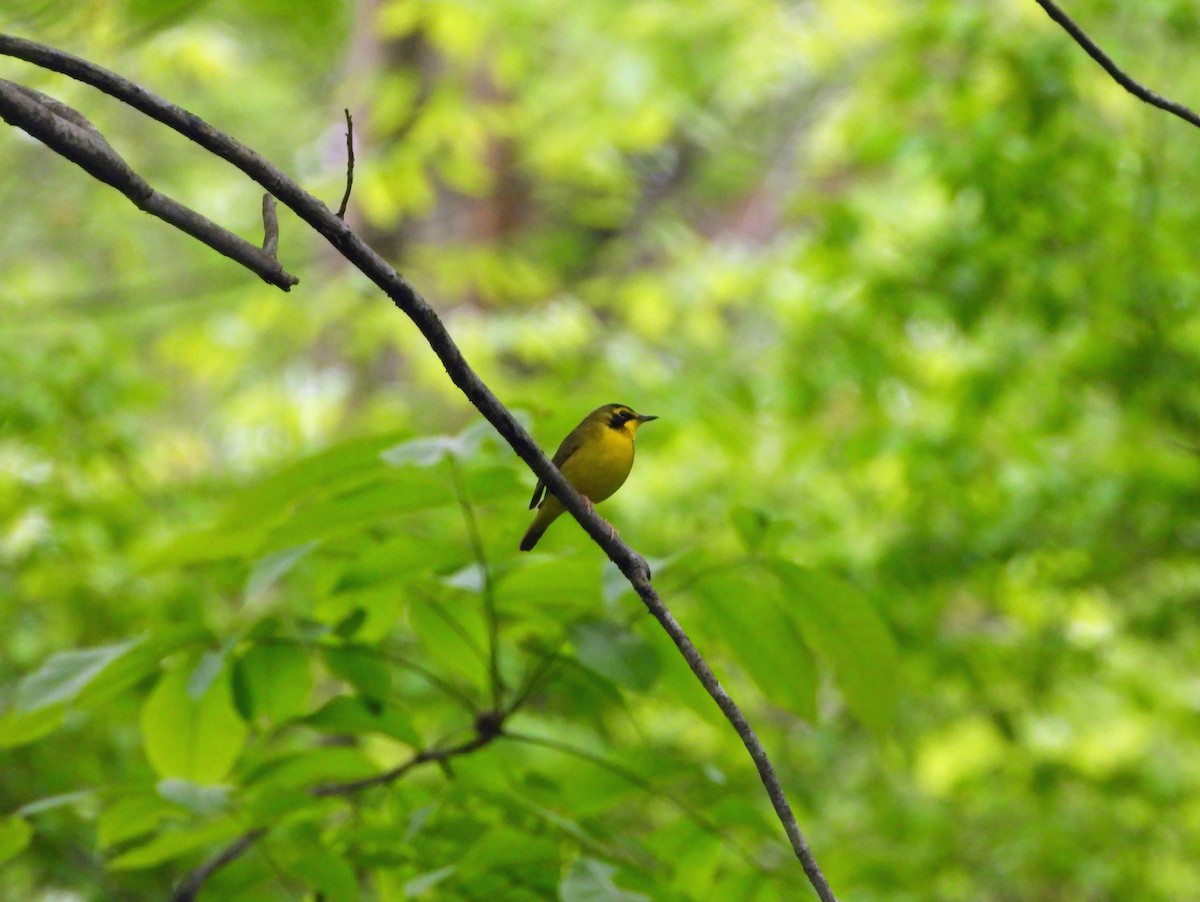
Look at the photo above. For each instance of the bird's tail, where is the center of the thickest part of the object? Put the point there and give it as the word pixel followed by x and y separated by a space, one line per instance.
pixel 546 515
pixel 532 535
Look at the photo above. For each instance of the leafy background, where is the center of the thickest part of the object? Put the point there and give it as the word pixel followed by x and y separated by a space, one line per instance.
pixel 912 289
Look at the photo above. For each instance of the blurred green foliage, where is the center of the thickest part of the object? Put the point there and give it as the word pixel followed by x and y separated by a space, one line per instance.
pixel 912 288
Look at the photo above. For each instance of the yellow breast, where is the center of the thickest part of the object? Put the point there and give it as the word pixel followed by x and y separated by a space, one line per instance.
pixel 601 464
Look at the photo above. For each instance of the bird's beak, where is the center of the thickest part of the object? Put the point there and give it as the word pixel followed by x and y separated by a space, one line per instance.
pixel 645 419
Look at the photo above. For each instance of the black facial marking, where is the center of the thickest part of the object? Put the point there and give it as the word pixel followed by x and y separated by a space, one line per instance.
pixel 620 417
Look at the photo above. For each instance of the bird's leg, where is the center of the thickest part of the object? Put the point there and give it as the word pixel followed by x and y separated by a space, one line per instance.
pixel 587 502
pixel 612 530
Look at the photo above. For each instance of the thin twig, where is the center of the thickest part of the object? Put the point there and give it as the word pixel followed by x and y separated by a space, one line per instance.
pixel 693 814
pixel 1138 90
pixel 270 227
pixel 540 670
pixel 416 308
pixel 341 213
pixel 435 680
pixel 457 628
pixel 487 731
pixel 189 888
pixel 478 741
pixel 487 590
pixel 80 143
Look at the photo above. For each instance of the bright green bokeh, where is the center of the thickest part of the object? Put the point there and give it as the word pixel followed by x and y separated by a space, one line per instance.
pixel 912 288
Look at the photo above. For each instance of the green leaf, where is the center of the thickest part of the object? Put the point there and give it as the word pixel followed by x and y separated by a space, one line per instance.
pixel 271 568
pixel 424 452
pixel 336 469
pixel 759 529
pixel 22 727
pixel 207 669
pixel 327 874
pixel 423 883
pixel 361 667
pixel 142 661
pixel 350 714
pixel 751 524
pixel 395 492
pixel 202 800
pixel 62 800
pixel 197 739
pixel 308 768
pixel 66 674
pixel 176 842
pixel 275 681
pixel 15 834
pixel 132 817
pixel 499 483
pixel 589 880
pixel 840 624
pixel 396 561
pixel 452 634
pixel 616 653
pixel 560 586
pixel 744 610
pixel 279 806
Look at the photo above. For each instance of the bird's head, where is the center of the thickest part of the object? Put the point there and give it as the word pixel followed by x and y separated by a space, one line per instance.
pixel 621 417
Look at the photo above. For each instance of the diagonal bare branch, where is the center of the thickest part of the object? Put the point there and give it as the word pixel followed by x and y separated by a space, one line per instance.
pixel 1137 89
pixel 69 134
pixel 409 301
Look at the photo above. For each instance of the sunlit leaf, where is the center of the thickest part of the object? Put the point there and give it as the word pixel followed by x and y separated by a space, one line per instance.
pixel 590 880
pixel 839 622
pixel 197 739
pixel 275 679
pixel 349 714
pixel 202 800
pixel 175 843
pixel 424 452
pixel 268 571
pixel 15 834
pixel 21 727
pixel 745 612
pixel 131 817
pixel 67 673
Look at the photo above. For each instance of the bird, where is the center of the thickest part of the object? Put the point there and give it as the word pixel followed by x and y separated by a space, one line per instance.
pixel 595 457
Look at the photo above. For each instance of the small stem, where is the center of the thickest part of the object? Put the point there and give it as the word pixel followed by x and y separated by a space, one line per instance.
pixel 341 213
pixel 488 591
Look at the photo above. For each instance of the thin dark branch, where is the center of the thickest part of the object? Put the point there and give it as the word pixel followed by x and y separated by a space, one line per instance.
pixel 1138 90
pixel 457 628
pixel 540 670
pixel 189 888
pixel 442 685
pixel 341 213
pixel 488 589
pixel 478 741
pixel 191 885
pixel 435 680
pixel 270 227
pixel 73 137
pixel 405 297
pixel 696 816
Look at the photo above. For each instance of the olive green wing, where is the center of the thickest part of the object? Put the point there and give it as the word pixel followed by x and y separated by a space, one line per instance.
pixel 568 447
